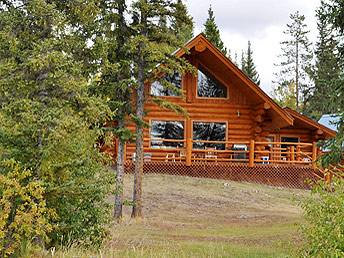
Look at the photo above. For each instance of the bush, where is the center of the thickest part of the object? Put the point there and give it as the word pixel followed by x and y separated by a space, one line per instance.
pixel 23 211
pixel 323 233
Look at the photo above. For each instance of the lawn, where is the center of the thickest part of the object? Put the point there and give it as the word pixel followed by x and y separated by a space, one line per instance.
pixel 197 217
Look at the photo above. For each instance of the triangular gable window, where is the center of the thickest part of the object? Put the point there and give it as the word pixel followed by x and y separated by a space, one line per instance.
pixel 157 89
pixel 209 86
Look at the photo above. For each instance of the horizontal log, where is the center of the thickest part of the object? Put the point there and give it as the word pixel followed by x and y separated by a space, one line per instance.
pixel 264 105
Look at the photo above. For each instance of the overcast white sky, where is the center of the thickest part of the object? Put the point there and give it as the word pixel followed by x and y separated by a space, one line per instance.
pixel 262 22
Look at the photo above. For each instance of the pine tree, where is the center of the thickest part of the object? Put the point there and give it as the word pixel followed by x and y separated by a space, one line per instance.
pixel 327 67
pixel 49 124
pixel 297 55
pixel 150 46
pixel 248 66
pixel 212 32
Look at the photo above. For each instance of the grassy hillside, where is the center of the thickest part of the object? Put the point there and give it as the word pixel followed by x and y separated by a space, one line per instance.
pixel 194 217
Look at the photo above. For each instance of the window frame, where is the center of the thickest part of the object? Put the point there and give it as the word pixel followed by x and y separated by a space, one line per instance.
pixel 166 120
pixel 216 77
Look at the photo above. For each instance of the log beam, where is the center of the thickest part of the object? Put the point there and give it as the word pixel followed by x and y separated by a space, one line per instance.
pixel 200 46
pixel 264 105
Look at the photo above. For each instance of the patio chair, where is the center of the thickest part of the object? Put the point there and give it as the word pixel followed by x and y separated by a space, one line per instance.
pixel 210 153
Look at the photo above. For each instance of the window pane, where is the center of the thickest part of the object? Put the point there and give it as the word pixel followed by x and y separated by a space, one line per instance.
pixel 167 130
pixel 158 89
pixel 208 86
pixel 209 132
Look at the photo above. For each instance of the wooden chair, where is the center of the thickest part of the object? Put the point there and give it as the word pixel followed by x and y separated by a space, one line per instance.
pixel 182 154
pixel 210 153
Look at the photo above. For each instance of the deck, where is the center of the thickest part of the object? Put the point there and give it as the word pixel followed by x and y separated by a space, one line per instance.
pixel 273 163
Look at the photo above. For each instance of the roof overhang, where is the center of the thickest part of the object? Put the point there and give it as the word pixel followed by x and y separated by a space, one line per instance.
pixel 311 124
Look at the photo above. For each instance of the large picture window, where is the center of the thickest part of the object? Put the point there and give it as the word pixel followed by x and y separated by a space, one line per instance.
pixel 157 89
pixel 205 131
pixel 208 86
pixel 167 130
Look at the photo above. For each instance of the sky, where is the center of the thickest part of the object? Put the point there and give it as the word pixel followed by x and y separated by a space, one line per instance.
pixel 262 22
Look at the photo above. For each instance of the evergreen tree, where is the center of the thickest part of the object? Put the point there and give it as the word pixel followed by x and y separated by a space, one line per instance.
pixel 248 66
pixel 333 12
pixel 150 46
pixel 297 55
pixel 327 67
pixel 49 124
pixel 212 32
pixel 182 24
pixel 115 82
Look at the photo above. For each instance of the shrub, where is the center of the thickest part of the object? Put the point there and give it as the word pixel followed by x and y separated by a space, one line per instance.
pixel 323 232
pixel 23 211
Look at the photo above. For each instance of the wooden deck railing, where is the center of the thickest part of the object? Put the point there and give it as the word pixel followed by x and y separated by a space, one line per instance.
pixel 254 152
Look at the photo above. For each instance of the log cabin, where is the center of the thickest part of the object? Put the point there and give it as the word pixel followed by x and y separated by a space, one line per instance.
pixel 234 130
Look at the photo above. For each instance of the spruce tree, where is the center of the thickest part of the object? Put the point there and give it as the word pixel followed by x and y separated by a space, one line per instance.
pixel 150 45
pixel 333 13
pixel 212 33
pixel 114 83
pixel 183 28
pixel 327 67
pixel 296 57
pixel 248 66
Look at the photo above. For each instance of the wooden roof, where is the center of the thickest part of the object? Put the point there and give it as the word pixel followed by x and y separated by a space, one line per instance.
pixel 207 52
pixel 309 123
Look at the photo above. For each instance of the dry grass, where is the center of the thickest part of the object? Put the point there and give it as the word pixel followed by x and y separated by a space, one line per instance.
pixel 194 217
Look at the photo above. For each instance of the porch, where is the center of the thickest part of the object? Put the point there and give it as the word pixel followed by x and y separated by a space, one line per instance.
pixel 282 164
pixel 250 152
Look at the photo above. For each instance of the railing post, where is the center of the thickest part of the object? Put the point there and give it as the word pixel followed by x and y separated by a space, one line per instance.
pixel 292 156
pixel 314 155
pixel 188 151
pixel 328 177
pixel 251 154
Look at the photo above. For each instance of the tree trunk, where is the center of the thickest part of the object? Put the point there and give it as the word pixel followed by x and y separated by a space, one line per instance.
pixel 137 197
pixel 119 174
pixel 297 77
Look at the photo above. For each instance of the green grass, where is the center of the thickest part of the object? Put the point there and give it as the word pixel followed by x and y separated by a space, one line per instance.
pixel 194 217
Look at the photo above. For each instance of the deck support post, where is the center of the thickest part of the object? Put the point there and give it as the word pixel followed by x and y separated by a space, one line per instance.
pixel 292 155
pixel 188 151
pixel 251 154
pixel 314 155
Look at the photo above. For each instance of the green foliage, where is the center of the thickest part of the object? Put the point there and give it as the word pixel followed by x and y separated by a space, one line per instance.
pixel 327 67
pixel 212 33
pixel 49 122
pixel 295 58
pixel 323 233
pixel 24 214
pixel 182 24
pixel 285 96
pixel 331 12
pixel 248 66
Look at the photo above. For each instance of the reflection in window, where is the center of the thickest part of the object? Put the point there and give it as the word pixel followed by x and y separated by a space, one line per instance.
pixel 157 89
pixel 208 86
pixel 167 130
pixel 203 131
